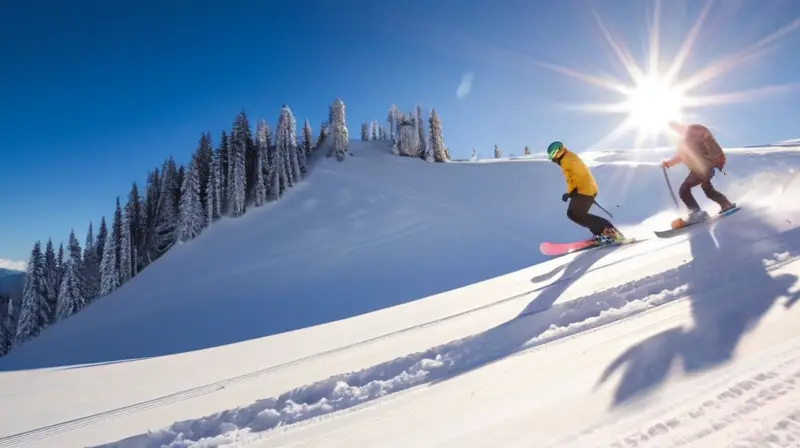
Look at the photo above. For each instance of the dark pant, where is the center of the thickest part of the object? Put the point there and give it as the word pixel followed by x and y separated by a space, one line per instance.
pixel 693 180
pixel 578 212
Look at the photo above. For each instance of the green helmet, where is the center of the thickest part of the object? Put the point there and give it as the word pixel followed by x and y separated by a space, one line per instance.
pixel 553 149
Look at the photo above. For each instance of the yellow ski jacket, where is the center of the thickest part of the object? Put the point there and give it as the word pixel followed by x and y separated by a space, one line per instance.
pixel 577 175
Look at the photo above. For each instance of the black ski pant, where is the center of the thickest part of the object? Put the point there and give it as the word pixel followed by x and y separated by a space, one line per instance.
pixel 578 212
pixel 704 181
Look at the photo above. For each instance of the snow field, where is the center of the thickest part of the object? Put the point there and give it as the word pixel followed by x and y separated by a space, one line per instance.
pixel 233 338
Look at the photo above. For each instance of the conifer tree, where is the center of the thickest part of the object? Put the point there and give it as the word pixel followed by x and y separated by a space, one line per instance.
pixel 298 165
pixel 307 136
pixel 91 268
pixel 150 217
pixel 70 296
pixel 282 152
pixel 237 176
pixel 527 150
pixel 203 156
pixel 109 275
pixel 133 217
pixel 421 132
pixel 34 314
pixel 51 279
pixel 262 171
pixel 6 335
pixel 436 140
pixel 341 136
pixel 364 131
pixel 167 215
pixel 126 250
pixel 192 220
pixel 102 235
pixel 214 204
pixel 223 159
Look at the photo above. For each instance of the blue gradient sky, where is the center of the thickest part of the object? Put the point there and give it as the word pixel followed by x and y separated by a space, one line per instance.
pixel 95 93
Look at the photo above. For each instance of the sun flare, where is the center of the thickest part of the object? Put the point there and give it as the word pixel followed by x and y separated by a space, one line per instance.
pixel 653 103
pixel 654 97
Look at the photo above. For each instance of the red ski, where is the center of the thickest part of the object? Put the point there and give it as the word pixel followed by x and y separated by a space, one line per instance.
pixel 548 248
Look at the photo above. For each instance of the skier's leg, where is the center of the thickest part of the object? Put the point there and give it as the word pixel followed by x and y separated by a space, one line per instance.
pixel 685 191
pixel 713 194
pixel 578 210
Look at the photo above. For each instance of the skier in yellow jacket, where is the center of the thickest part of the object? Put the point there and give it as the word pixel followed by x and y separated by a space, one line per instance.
pixel 581 192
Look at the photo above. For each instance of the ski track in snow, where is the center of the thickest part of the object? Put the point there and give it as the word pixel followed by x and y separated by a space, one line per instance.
pixel 360 388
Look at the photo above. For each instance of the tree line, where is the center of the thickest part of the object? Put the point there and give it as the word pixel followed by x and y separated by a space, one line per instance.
pixel 177 203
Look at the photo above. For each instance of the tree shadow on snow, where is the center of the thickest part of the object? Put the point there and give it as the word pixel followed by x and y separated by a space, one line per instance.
pixel 730 289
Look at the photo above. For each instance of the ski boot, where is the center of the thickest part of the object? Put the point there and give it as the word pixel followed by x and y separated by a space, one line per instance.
pixel 725 207
pixel 694 217
pixel 609 235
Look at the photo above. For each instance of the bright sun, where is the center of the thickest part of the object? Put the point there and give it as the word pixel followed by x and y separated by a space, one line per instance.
pixel 653 97
pixel 653 103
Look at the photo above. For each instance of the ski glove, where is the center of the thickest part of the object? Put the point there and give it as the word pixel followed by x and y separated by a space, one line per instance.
pixel 565 197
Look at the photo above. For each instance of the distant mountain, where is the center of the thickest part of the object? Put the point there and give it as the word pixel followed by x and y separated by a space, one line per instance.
pixel 11 283
pixel 6 272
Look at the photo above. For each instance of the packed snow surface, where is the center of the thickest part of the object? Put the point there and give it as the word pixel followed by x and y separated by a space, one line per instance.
pixel 391 302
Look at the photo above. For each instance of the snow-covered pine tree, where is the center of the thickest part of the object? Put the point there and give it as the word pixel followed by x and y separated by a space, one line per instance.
pixel 100 244
pixel 70 296
pixel 6 335
pixel 150 217
pixel 364 132
pixel 298 155
pixel 278 183
pixel 34 315
pixel 237 173
pixel 223 153
pixel 60 263
pixel 308 145
pixel 372 131
pixel 408 136
pixel 91 268
pixel 284 149
pixel 436 138
pixel 497 152
pixel 125 251
pixel 203 156
pixel 117 233
pixel 324 130
pixel 527 151
pixel 392 119
pixel 262 144
pixel 51 277
pixel 214 203
pixel 191 220
pixel 341 136
pixel 421 130
pixel 167 216
pixel 134 217
pixel 109 274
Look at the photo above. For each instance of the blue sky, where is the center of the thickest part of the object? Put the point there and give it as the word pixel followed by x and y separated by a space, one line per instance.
pixel 95 93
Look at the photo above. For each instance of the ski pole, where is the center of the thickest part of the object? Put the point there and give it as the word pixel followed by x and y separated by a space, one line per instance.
pixel 601 208
pixel 669 186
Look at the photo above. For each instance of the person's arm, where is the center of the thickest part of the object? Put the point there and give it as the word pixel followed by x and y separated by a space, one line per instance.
pixel 672 161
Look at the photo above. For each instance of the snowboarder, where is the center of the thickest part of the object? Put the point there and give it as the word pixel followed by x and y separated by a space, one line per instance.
pixel 700 152
pixel 581 192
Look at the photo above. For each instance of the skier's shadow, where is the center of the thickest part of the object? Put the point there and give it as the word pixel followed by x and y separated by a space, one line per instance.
pixel 514 335
pixel 724 308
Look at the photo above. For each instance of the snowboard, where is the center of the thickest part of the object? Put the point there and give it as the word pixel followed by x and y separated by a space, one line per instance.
pixel 549 248
pixel 672 232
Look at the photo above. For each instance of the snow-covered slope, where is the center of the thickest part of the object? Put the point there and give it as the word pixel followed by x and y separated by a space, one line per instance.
pixel 414 297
